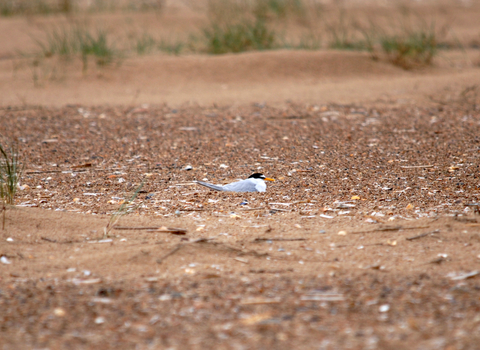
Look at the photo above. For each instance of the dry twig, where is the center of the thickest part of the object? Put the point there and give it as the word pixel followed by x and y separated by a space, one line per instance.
pixel 123 210
pixel 51 240
pixel 391 228
pixel 416 166
pixel 264 239
pixel 174 230
pixel 422 235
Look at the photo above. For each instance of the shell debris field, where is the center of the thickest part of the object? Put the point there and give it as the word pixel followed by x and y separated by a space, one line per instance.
pixel 368 238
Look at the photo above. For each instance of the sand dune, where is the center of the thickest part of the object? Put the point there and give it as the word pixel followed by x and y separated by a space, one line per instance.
pixel 273 77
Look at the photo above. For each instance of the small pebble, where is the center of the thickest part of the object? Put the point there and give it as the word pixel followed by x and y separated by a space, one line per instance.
pixel 5 261
pixel 326 216
pixel 165 297
pixel 58 311
pixel 384 308
pixel 100 320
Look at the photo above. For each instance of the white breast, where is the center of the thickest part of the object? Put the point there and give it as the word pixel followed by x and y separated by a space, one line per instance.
pixel 260 185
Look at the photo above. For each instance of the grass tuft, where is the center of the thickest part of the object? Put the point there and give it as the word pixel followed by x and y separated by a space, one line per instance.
pixel 411 49
pixel 173 48
pixel 11 170
pixel 125 208
pixel 238 37
pixel 80 41
pixel 412 43
pixel 238 26
pixel 144 44
pixel 280 8
pixel 310 42
pixel 96 45
pixel 344 34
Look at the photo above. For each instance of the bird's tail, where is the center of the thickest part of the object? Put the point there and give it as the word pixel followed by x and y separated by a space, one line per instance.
pixel 213 187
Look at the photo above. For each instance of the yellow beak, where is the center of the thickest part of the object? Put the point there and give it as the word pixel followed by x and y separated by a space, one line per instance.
pixel 269 179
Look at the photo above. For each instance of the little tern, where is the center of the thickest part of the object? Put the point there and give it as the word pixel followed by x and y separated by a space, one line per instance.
pixel 254 183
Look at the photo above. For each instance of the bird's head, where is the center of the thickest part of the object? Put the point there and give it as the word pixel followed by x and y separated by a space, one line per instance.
pixel 260 176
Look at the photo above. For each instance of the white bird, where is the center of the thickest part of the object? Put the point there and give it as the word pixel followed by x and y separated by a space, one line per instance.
pixel 254 183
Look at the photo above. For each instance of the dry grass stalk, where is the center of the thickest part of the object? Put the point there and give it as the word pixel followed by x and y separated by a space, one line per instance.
pixel 123 210
pixel 11 170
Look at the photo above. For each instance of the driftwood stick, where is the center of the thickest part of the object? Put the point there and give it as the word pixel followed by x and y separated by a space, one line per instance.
pixel 416 166
pixel 174 230
pixel 264 239
pixel 391 228
pixel 49 239
pixel 422 235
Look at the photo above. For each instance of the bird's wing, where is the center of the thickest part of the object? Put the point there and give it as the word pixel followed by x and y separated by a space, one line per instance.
pixel 213 187
pixel 241 186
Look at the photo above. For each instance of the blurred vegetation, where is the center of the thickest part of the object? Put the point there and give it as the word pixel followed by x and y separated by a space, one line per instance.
pixel 237 26
pixel 344 35
pixel 243 36
pixel 409 42
pixel 46 7
pixel 233 26
pixel 68 42
pixel 411 49
pixel 24 7
pixel 11 170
